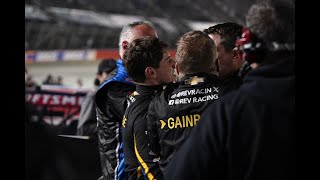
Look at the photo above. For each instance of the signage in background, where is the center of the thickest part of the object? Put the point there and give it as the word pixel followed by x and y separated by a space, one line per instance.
pixel 56 106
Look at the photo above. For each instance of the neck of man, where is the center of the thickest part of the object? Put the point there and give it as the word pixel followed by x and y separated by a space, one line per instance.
pixel 149 82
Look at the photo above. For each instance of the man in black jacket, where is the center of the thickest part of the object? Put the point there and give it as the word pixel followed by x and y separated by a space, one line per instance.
pixel 229 60
pixel 249 134
pixel 173 114
pixel 111 102
pixel 148 62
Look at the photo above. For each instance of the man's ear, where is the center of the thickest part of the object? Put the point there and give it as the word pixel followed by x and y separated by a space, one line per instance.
pixel 124 45
pixel 236 56
pixel 150 73
pixel 177 68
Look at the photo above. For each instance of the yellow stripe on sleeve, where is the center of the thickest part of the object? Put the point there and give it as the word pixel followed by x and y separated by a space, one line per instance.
pixel 143 164
pixel 139 173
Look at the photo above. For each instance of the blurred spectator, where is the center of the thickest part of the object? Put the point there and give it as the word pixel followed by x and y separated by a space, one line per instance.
pixel 30 84
pixel 29 107
pixel 79 82
pixel 49 80
pixel 25 74
pixel 87 124
pixel 59 80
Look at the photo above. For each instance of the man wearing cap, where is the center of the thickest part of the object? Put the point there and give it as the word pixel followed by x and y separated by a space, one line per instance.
pixel 87 124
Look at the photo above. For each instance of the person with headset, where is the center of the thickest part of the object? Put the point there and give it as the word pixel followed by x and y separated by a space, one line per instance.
pixel 249 133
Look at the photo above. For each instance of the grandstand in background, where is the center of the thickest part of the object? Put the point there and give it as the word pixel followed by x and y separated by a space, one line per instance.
pixel 67 37
pixel 96 24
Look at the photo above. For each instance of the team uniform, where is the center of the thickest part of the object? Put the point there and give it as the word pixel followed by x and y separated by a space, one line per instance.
pixel 177 110
pixel 140 162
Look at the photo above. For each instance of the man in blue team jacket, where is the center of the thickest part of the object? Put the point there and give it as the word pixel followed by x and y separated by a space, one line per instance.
pixel 111 104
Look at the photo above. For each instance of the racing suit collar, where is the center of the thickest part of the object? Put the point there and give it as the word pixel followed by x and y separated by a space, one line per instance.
pixel 141 89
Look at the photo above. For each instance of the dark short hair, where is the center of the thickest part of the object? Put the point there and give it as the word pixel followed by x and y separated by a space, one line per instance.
pixel 229 33
pixel 106 65
pixel 196 53
pixel 142 53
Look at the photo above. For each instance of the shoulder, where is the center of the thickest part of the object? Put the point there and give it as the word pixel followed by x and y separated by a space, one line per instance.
pixel 137 103
pixel 171 87
pixel 232 103
pixel 91 94
pixel 160 100
pixel 114 89
pixel 137 109
pixel 168 90
pixel 90 97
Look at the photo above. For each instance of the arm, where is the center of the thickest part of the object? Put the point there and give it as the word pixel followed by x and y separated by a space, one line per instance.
pixel 110 106
pixel 87 123
pixel 149 162
pixel 117 96
pixel 153 130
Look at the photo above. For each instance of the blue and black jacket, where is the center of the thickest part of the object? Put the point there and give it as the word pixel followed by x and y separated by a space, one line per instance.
pixel 111 102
